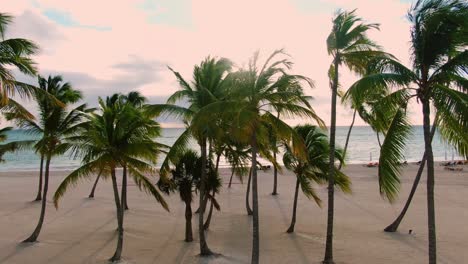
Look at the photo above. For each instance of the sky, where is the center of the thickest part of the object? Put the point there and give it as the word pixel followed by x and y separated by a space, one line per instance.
pixel 103 47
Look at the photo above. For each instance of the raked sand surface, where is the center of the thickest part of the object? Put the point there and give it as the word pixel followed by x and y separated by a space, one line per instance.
pixel 83 230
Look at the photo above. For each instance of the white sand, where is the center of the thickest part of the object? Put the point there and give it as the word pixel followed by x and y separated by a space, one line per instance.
pixel 83 230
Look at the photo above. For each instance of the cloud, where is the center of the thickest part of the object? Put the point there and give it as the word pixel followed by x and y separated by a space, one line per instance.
pixel 146 35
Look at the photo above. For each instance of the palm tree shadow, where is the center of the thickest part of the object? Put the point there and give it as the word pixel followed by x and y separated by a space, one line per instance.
pixel 217 257
pixel 18 248
pixel 302 257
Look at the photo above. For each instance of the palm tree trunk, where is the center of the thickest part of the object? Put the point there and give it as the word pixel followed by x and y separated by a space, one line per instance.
pixel 247 194
pixel 378 139
pixel 275 177
pixel 230 179
pixel 204 249
pixel 188 222
pixel 208 219
pixel 293 220
pixel 328 259
pixel 430 183
pixel 124 188
pixel 39 190
pixel 118 205
pixel 348 137
pixel 275 170
pixel 91 195
pixel 255 225
pixel 37 230
pixel 394 226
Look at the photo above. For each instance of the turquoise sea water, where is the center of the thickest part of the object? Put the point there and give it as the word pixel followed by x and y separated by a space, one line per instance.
pixel 362 148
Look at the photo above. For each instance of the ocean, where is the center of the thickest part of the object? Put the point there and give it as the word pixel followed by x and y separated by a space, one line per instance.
pixel 363 148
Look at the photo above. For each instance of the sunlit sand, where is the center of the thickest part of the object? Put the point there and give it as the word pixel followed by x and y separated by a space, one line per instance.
pixel 83 230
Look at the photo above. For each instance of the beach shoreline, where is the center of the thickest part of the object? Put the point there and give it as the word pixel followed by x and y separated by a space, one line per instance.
pixel 82 230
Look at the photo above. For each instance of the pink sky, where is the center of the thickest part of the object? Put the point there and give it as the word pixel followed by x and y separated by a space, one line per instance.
pixel 104 47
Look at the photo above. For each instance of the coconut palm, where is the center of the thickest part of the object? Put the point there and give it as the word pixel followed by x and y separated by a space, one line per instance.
pixel 314 168
pixel 134 99
pixel 396 223
pixel 118 136
pixel 438 78
pixel 15 53
pixel 55 126
pixel 349 46
pixel 184 179
pixel 207 87
pixel 254 93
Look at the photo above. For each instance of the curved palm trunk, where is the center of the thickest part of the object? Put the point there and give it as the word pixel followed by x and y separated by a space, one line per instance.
pixel 255 225
pixel 204 249
pixel 394 226
pixel 430 184
pixel 118 205
pixel 37 230
pixel 188 222
pixel 275 177
pixel 230 179
pixel 124 188
pixel 91 195
pixel 378 139
pixel 208 219
pixel 247 194
pixel 347 138
pixel 293 220
pixel 39 190
pixel 328 259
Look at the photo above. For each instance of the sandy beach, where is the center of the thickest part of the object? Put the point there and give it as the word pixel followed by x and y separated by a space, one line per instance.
pixel 83 230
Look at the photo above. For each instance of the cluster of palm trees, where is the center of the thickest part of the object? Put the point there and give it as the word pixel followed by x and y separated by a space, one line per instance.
pixel 235 113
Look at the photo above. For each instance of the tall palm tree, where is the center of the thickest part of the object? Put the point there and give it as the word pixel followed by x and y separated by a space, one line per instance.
pixel 16 53
pixel 134 99
pixel 314 167
pixel 254 93
pixel 349 45
pixel 119 135
pixel 207 87
pixel 56 125
pixel 439 37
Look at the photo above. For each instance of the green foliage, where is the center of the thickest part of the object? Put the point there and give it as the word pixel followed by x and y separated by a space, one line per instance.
pixel 120 134
pixel 14 53
pixel 11 146
pixel 439 36
pixel 314 167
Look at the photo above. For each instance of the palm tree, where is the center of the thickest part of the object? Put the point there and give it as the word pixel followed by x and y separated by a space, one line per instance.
pixel 184 179
pixel 254 92
pixel 134 99
pixel 15 53
pixel 396 223
pixel 437 78
pixel 349 45
pixel 207 87
pixel 119 135
pixel 55 127
pixel 314 168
